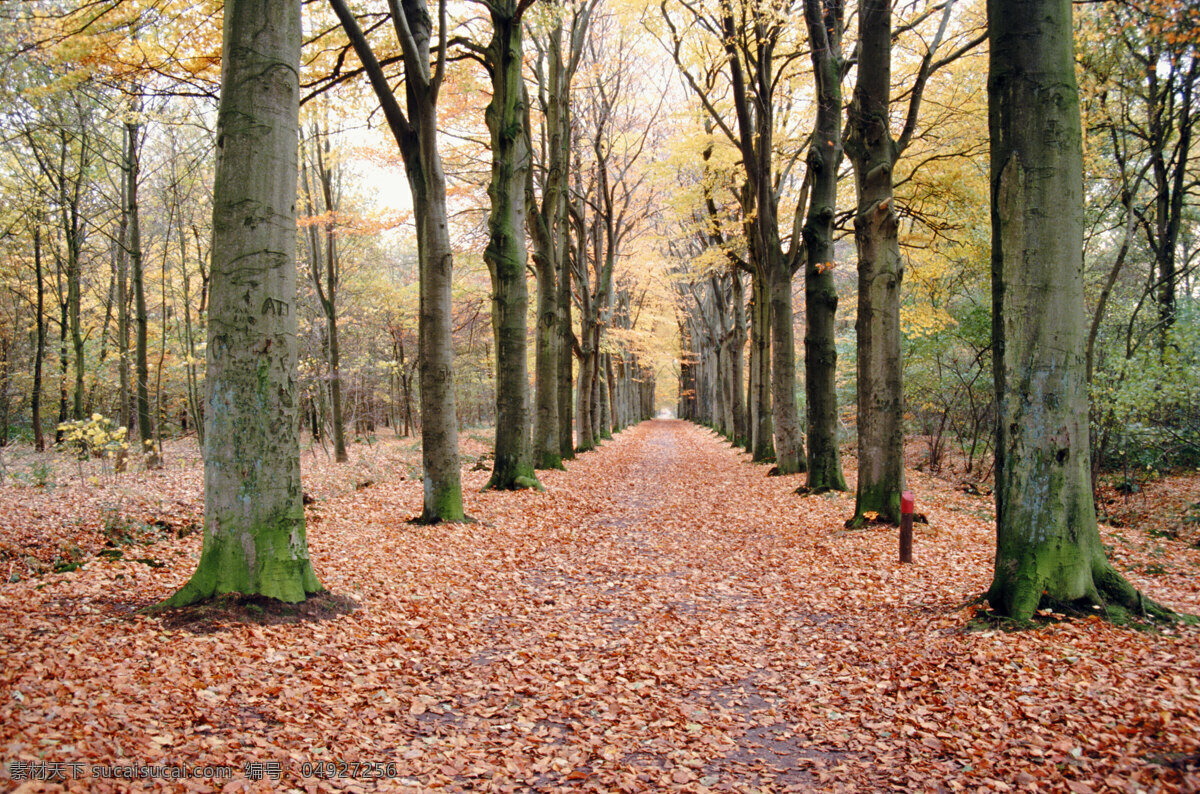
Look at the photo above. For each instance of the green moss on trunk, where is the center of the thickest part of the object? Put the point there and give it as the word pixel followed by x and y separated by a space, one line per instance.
pixel 879 500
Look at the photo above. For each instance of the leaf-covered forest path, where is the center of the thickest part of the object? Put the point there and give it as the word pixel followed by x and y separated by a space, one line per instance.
pixel 665 617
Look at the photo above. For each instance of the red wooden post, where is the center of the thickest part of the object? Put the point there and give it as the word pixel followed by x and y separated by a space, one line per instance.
pixel 906 522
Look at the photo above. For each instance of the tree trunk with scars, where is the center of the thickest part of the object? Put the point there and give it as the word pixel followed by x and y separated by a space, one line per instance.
pixel 1048 548
pixel 507 119
pixel 254 534
pixel 820 293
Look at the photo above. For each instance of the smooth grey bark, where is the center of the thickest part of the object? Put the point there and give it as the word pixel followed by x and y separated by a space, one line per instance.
pixel 604 396
pixel 416 137
pixel 824 19
pixel 1048 548
pixel 254 531
pixel 584 420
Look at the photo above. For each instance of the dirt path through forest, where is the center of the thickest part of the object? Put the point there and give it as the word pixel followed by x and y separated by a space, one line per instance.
pixel 676 568
pixel 664 617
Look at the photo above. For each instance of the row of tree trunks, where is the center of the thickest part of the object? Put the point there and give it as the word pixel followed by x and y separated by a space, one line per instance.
pixel 549 226
pixel 1048 547
pixel 753 83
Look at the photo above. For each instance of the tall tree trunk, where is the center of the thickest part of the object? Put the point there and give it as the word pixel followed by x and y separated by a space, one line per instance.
pixel 609 423
pixel 326 273
pixel 125 395
pixel 548 229
pixel 35 402
pixel 762 430
pixel 789 442
pixel 254 533
pixel 741 419
pixel 824 21
pixel 439 422
pixel 416 137
pixel 752 87
pixel 603 419
pixel 5 383
pixel 121 277
pixel 880 271
pixel 405 389
pixel 137 275
pixel 189 341
pixel 566 363
pixel 74 287
pixel 1170 168
pixel 597 395
pixel 335 377
pixel 547 451
pixel 1048 549
pixel 507 119
pixel 64 359
pixel 587 441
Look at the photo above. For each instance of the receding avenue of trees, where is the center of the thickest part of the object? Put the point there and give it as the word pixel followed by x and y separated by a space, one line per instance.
pixel 612 209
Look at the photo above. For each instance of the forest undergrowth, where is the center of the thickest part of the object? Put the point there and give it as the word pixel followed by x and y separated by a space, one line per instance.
pixel 665 617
